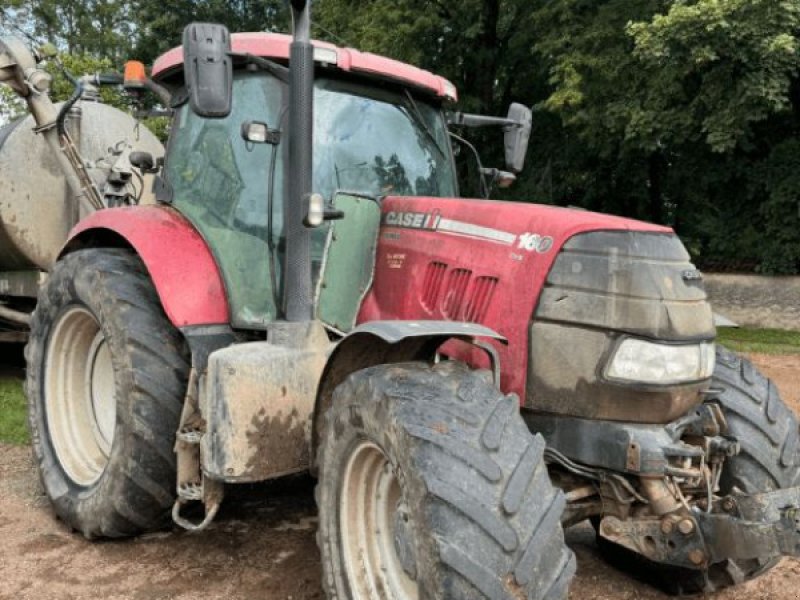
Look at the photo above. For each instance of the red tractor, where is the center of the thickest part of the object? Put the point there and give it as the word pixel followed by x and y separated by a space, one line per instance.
pixel 466 378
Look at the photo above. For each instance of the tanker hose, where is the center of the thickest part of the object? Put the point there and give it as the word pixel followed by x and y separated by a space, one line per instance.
pixel 76 95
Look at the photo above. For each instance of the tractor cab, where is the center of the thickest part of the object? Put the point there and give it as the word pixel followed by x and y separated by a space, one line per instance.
pixel 379 129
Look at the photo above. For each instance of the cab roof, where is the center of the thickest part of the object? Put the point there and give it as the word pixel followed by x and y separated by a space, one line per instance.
pixel 276 46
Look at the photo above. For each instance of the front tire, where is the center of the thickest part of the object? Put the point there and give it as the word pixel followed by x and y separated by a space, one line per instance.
pixel 105 383
pixel 431 486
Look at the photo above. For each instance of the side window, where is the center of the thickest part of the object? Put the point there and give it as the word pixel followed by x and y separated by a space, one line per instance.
pixel 221 184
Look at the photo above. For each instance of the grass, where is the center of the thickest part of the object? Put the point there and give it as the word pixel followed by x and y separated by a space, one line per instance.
pixel 13 412
pixel 761 341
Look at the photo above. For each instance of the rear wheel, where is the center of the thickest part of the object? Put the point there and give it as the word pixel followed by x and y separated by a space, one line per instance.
pixel 431 486
pixel 768 434
pixel 105 383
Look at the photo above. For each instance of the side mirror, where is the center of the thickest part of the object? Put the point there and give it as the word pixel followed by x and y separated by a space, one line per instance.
pixel 517 136
pixel 143 161
pixel 208 69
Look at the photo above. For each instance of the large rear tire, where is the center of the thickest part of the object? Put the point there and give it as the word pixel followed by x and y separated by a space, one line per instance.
pixel 431 486
pixel 768 433
pixel 106 379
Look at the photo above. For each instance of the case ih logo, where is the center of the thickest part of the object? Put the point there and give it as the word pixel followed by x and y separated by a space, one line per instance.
pixel 433 221
pixel 412 220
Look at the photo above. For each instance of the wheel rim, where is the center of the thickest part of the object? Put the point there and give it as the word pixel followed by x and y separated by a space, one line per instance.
pixel 79 396
pixel 371 512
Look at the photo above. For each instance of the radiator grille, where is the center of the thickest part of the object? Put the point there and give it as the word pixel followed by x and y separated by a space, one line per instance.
pixel 457 283
pixel 480 299
pixel 432 285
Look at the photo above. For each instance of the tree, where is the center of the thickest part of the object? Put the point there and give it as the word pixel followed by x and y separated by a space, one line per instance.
pixel 684 110
pixel 100 28
pixel 717 68
pixel 725 84
pixel 161 22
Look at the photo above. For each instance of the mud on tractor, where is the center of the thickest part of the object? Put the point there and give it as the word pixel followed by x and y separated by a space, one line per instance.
pixel 465 378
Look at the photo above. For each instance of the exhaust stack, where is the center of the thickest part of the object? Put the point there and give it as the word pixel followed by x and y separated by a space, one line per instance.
pixel 298 301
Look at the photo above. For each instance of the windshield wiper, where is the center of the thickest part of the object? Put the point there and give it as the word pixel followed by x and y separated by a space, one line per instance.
pixel 416 115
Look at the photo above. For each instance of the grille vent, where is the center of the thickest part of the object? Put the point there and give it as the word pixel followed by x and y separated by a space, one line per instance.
pixel 453 300
pixel 449 293
pixel 481 298
pixel 432 286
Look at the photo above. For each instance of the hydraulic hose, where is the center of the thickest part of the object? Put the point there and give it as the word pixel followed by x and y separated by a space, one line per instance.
pixel 61 119
pixel 69 149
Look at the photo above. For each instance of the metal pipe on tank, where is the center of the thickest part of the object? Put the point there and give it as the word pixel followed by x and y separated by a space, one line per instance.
pixel 15 316
pixel 74 123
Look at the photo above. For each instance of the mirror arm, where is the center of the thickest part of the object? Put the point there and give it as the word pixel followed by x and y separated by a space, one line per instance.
pixel 160 91
pixel 469 120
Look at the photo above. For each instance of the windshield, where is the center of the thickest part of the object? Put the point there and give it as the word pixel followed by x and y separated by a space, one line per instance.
pixel 378 142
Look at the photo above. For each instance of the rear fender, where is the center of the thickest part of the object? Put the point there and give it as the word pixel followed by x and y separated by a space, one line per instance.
pixel 383 342
pixel 178 260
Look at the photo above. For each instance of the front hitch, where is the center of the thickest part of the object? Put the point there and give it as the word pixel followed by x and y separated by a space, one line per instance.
pixel 756 526
pixel 738 527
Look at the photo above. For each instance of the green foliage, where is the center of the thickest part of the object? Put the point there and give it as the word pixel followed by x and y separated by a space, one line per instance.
pixel 686 112
pixel 762 341
pixel 159 126
pixel 83 64
pixel 161 22
pixel 12 107
pixel 97 27
pixel 717 67
pixel 13 412
pixel 779 176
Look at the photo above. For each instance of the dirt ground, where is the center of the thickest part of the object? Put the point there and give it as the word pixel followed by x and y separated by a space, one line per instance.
pixel 261 546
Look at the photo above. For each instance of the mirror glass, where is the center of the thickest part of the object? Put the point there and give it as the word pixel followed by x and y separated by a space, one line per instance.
pixel 517 136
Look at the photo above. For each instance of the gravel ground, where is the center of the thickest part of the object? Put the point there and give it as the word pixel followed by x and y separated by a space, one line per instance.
pixel 261 546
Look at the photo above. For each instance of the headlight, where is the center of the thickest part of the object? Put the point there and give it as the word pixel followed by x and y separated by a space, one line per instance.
pixel 661 364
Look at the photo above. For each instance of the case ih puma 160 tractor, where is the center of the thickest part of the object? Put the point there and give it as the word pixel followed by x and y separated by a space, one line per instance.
pixel 466 378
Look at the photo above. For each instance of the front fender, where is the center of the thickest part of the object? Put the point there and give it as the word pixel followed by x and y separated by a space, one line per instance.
pixel 177 258
pixel 383 342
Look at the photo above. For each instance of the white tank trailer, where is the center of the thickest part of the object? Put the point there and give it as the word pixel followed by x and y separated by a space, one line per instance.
pixel 57 165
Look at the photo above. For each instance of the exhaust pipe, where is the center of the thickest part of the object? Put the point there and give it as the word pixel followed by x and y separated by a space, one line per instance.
pixel 298 300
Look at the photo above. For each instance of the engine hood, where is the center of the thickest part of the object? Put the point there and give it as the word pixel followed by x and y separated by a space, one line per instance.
pixel 506 219
pixel 475 260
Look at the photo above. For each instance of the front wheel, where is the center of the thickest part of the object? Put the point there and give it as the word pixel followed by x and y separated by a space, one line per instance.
pixel 105 383
pixel 431 486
